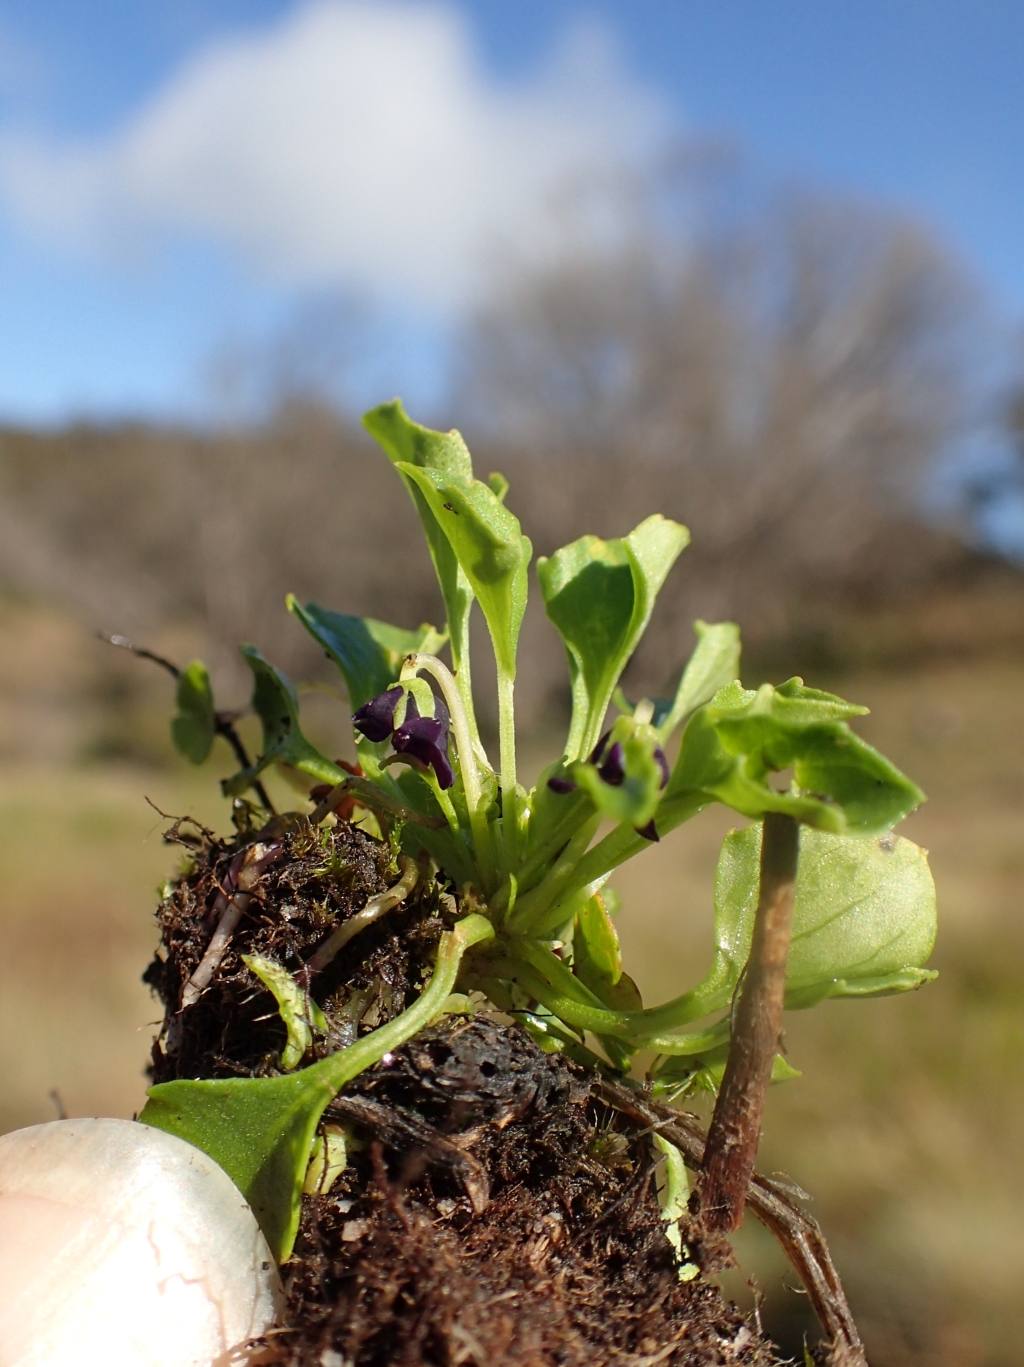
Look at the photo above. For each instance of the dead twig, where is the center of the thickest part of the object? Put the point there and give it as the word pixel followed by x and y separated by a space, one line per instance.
pixel 735 1129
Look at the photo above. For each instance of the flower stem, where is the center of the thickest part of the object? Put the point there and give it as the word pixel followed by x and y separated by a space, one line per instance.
pixel 469 758
pixel 507 757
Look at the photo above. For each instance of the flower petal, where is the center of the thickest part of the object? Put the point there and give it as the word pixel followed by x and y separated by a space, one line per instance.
pixel 376 718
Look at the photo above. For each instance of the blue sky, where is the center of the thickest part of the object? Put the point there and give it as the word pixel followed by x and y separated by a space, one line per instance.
pixel 176 177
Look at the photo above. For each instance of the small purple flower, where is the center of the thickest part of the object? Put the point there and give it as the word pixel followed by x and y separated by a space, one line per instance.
pixel 649 832
pixel 426 740
pixel 661 759
pixel 376 718
pixel 561 785
pixel 595 755
pixel 613 770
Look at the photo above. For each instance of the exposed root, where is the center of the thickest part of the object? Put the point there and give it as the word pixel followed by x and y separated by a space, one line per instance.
pixel 373 911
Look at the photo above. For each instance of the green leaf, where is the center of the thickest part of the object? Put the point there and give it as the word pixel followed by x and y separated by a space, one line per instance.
pixel 714 663
pixel 488 543
pixel 260 1130
pixel 275 703
pixel 863 921
pixel 840 784
pixel 597 959
pixel 368 653
pixel 600 595
pixel 407 444
pixel 297 1009
pixel 194 725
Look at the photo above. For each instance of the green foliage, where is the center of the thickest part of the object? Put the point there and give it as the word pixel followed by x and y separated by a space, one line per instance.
pixel 600 595
pixel 489 546
pixel 193 726
pixel 531 868
pixel 275 703
pixel 864 916
pixel 368 653
pixel 408 445
pixel 714 663
pixel 735 742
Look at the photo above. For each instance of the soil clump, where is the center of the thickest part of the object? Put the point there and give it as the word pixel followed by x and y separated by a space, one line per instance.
pixel 495 1211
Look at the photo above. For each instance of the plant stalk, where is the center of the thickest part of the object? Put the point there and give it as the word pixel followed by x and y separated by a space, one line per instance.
pixel 469 758
pixel 507 760
pixel 757 1027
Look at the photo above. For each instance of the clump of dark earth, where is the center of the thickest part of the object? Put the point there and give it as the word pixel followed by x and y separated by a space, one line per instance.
pixel 496 1212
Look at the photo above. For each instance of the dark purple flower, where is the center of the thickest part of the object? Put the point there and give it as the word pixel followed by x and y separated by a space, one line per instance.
pixel 661 760
pixel 649 832
pixel 613 770
pixel 426 740
pixel 561 785
pixel 376 718
pixel 595 755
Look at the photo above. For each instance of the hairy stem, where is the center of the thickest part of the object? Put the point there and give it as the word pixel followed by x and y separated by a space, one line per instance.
pixel 509 788
pixel 533 904
pixel 469 750
pixel 736 1125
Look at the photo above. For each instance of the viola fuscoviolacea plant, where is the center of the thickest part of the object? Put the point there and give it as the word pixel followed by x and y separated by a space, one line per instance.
pixel 534 930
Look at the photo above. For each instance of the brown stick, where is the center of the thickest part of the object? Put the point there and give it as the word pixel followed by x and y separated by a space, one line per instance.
pixel 797 1232
pixel 757 1026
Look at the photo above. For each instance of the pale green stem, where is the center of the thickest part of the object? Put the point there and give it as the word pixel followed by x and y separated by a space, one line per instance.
pixel 509 788
pixel 634 1026
pixel 533 904
pixel 536 868
pixel 710 996
pixel 468 756
pixel 623 842
pixel 564 910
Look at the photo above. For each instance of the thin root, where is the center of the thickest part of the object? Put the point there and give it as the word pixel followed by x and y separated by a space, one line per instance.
pixel 373 911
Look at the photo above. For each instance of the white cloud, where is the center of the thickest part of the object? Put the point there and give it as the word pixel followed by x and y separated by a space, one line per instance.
pixel 355 144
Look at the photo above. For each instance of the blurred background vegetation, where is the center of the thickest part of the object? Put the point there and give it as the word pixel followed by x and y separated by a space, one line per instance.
pixel 791 385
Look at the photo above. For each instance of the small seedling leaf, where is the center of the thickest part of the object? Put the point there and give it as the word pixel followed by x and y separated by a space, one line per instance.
pixel 275 703
pixel 300 1013
pixel 714 663
pixel 597 958
pixel 194 724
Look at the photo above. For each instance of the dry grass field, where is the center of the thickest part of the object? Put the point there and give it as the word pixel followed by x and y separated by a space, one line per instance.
pixel 905 1125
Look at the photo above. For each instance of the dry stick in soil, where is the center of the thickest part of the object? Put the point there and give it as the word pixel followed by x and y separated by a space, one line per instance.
pixel 735 1130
